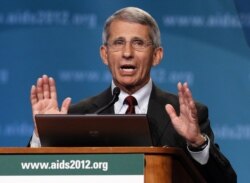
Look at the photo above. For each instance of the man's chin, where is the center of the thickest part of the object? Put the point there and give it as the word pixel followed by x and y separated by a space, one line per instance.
pixel 126 84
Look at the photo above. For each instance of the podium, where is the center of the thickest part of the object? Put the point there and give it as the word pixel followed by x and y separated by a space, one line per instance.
pixel 161 164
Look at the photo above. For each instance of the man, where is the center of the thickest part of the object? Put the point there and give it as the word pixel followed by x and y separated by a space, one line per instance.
pixel 131 47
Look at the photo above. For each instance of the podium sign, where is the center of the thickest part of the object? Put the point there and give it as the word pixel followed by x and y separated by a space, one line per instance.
pixel 67 168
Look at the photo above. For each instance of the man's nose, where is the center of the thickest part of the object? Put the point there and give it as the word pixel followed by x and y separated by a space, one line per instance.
pixel 128 50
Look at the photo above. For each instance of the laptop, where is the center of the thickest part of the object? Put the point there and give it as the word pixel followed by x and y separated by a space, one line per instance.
pixel 93 130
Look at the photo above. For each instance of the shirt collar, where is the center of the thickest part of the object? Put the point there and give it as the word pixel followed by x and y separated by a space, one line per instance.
pixel 142 97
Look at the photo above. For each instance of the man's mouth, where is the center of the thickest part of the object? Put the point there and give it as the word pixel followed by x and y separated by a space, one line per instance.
pixel 128 68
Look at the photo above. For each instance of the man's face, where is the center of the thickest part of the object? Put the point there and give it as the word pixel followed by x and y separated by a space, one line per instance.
pixel 130 68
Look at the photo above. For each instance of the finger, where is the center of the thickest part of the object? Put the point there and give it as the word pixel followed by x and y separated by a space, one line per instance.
pixel 171 111
pixel 187 91
pixel 46 91
pixel 180 91
pixel 65 105
pixel 193 110
pixel 190 101
pixel 52 86
pixel 188 95
pixel 39 88
pixel 33 95
pixel 181 94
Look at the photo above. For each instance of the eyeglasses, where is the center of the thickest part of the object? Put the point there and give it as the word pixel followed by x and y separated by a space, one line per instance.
pixel 137 44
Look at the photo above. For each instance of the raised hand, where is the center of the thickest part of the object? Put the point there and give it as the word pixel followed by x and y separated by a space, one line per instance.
pixel 186 124
pixel 43 98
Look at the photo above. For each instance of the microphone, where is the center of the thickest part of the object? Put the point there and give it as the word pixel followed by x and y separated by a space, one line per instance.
pixel 116 92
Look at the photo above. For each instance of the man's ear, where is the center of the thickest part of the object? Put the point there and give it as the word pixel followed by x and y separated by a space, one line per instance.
pixel 158 55
pixel 104 54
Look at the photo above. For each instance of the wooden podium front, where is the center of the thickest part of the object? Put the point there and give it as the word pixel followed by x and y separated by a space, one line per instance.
pixel 162 165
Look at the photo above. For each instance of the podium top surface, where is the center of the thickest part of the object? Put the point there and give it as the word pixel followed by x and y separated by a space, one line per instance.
pixel 83 150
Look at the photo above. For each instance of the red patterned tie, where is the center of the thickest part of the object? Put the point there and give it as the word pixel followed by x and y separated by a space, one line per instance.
pixel 131 102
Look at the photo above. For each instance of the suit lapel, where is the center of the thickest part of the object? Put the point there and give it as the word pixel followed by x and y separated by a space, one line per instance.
pixel 160 124
pixel 103 100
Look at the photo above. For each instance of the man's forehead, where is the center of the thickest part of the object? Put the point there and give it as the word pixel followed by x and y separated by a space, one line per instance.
pixel 116 23
pixel 128 30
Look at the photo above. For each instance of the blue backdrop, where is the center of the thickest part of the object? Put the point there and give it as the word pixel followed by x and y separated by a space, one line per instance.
pixel 205 42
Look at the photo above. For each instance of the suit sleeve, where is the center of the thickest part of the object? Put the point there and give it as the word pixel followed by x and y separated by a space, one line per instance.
pixel 218 168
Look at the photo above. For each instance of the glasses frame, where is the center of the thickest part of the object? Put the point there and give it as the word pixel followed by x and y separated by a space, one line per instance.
pixel 132 42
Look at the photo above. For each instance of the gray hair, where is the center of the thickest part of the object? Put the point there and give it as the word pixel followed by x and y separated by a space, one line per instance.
pixel 135 15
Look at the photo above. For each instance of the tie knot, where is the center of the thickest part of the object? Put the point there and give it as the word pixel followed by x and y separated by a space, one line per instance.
pixel 131 102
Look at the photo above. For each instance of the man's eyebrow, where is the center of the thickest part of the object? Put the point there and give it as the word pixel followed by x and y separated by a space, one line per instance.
pixel 121 38
pixel 137 38
pixel 133 38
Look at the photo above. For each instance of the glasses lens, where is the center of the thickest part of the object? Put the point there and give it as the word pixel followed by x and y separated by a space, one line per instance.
pixel 137 44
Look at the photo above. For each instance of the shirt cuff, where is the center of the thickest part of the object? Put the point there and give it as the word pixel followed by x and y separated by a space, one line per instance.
pixel 201 156
pixel 35 141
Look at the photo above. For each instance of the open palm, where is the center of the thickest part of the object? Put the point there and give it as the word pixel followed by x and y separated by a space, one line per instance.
pixel 186 123
pixel 43 98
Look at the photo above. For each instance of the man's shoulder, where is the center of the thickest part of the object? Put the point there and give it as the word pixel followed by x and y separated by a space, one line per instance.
pixel 163 96
pixel 91 104
pixel 167 97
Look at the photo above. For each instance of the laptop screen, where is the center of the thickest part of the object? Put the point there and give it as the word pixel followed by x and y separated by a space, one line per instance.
pixel 93 130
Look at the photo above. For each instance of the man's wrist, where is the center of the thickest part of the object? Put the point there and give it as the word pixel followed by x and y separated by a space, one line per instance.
pixel 199 147
pixel 35 141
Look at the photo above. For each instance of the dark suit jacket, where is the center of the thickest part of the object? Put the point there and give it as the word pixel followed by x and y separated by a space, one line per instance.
pixel 218 168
